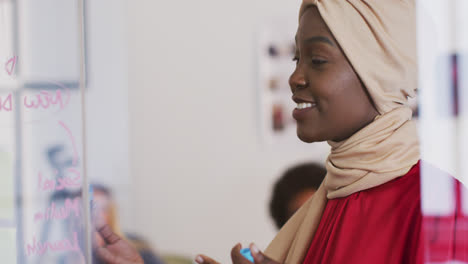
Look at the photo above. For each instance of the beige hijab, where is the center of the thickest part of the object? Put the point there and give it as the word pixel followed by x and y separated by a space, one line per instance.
pixel 378 37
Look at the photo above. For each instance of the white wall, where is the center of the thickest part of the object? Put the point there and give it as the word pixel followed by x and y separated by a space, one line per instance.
pixel 201 176
pixel 107 101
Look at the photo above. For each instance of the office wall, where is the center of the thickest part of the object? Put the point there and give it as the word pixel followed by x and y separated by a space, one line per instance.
pixel 107 101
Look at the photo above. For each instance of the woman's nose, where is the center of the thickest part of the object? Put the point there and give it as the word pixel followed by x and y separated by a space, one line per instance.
pixel 297 80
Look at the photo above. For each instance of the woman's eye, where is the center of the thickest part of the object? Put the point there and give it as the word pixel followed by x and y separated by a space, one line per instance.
pixel 318 61
pixel 296 59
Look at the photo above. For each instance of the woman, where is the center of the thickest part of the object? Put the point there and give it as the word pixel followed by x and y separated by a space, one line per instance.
pixel 356 66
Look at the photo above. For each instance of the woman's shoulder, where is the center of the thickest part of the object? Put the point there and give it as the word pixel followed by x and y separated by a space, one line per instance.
pixel 407 184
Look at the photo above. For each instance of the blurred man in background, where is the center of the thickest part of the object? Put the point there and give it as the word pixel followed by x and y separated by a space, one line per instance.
pixel 293 189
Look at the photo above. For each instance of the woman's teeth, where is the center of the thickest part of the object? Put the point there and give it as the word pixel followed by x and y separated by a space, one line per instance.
pixel 303 105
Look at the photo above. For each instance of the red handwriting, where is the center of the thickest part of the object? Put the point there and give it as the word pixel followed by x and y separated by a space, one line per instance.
pixel 45 99
pixel 63 182
pixel 54 213
pixel 5 103
pixel 60 183
pixel 10 65
pixel 72 139
pixel 38 248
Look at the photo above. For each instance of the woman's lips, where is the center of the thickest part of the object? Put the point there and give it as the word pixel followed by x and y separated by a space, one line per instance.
pixel 300 112
pixel 303 106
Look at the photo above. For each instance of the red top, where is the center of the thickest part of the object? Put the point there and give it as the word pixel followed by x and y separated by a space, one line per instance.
pixel 385 225
pixel 378 225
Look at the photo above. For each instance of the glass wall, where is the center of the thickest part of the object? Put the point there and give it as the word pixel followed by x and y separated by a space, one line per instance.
pixel 42 209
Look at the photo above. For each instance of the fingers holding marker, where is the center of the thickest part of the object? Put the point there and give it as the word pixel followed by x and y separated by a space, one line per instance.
pixel 241 255
pixel 236 256
pixel 202 259
pixel 259 257
pixel 256 254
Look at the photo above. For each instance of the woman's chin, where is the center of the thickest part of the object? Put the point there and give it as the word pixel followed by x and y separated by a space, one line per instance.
pixel 306 137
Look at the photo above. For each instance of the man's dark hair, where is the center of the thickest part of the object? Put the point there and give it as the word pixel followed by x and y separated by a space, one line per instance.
pixel 296 179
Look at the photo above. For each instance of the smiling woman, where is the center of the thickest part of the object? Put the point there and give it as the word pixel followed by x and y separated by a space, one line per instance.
pixel 338 103
pixel 356 73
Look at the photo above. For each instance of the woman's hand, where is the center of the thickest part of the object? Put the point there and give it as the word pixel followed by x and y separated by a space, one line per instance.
pixel 115 250
pixel 237 257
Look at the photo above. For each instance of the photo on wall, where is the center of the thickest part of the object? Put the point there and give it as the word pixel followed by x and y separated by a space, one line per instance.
pixel 275 51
